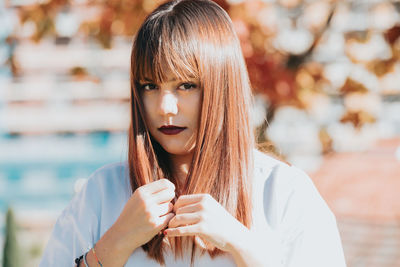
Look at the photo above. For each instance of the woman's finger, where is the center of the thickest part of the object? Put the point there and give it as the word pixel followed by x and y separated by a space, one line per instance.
pixel 165 208
pixel 184 219
pixel 184 200
pixel 163 221
pixel 188 230
pixel 189 208
pixel 163 196
pixel 154 187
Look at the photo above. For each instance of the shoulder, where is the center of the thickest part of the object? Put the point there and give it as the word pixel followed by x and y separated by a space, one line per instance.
pixel 288 192
pixel 292 205
pixel 267 167
pixel 108 184
pixel 112 172
pixel 109 177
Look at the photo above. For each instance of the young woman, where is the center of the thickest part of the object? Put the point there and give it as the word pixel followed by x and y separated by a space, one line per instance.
pixel 194 190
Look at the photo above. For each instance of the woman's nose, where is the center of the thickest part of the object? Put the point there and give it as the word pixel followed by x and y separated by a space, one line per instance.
pixel 169 104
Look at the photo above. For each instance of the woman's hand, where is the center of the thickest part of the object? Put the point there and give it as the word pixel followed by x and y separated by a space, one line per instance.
pixel 201 215
pixel 146 213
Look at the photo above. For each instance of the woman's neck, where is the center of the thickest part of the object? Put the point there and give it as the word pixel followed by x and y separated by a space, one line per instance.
pixel 180 166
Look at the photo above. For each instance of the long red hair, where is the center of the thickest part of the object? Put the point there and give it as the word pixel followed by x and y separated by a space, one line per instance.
pixel 196 39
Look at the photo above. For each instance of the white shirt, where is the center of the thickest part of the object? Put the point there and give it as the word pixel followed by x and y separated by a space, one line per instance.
pixel 298 227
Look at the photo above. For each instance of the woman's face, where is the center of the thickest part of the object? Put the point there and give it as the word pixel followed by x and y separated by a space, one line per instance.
pixel 172 110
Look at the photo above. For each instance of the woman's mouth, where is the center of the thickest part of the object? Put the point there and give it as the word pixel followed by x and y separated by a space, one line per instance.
pixel 171 129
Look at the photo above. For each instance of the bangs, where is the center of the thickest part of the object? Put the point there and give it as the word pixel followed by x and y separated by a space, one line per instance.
pixel 164 48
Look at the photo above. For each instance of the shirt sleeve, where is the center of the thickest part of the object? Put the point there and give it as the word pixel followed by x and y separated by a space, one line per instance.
pixel 74 231
pixel 310 236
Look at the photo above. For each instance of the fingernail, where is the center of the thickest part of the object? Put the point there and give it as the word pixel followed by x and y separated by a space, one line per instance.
pixel 165 232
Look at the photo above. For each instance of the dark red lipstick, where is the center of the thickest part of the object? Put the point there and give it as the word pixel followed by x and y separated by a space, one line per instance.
pixel 171 129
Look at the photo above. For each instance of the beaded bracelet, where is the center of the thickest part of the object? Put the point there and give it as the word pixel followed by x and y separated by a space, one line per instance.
pixel 95 256
pixel 78 260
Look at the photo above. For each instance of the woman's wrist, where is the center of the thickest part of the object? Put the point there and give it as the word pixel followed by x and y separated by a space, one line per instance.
pixel 110 250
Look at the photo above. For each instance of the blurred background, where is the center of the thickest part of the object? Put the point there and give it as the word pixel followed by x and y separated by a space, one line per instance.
pixel 326 79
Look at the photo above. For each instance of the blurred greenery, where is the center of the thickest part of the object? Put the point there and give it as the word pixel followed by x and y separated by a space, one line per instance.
pixel 12 257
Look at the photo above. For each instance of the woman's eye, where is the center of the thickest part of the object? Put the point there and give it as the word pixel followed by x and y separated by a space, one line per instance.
pixel 149 86
pixel 187 86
